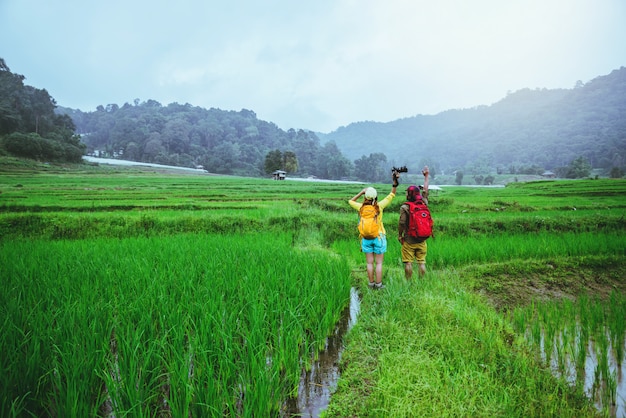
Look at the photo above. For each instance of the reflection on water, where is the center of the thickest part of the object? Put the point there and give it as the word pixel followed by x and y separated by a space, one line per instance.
pixel 317 385
pixel 601 376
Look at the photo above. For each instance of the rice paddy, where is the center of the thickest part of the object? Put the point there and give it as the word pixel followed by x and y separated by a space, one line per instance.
pixel 130 292
pixel 582 341
pixel 145 325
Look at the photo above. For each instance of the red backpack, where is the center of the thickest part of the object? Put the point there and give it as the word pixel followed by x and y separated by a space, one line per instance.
pixel 420 221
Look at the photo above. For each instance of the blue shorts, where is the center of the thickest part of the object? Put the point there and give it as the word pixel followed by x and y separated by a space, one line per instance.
pixel 377 245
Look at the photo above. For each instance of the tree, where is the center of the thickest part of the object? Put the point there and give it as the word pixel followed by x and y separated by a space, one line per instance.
pixel 578 168
pixel 273 161
pixel 31 126
pixel 331 164
pixel 371 168
pixel 290 161
pixel 10 87
pixel 23 145
pixel 459 178
pixel 224 159
pixel 616 173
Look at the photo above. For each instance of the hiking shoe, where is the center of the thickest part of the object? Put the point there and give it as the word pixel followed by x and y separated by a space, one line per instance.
pixel 371 285
pixel 380 286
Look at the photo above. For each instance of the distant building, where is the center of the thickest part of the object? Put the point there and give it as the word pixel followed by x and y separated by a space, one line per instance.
pixel 548 174
pixel 279 175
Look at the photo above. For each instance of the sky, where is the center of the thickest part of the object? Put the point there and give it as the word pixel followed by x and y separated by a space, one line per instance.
pixel 315 65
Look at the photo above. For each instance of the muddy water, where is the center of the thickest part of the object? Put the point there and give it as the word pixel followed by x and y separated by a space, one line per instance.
pixel 618 409
pixel 317 385
pixel 590 378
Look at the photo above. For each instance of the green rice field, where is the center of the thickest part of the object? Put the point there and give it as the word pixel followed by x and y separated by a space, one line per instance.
pixel 137 292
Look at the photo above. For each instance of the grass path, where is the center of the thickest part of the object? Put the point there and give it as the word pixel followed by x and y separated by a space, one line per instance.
pixel 436 347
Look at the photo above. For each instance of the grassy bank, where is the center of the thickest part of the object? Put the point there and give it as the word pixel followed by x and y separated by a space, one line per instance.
pixel 433 348
pixel 441 346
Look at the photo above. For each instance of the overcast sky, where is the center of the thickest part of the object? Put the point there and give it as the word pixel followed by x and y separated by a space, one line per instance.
pixel 317 64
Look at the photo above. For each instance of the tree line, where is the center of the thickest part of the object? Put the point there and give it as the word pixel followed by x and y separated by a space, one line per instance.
pixel 29 126
pixel 223 142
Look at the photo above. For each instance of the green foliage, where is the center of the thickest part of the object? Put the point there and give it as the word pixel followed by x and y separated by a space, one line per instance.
pixel 459 178
pixel 616 173
pixel 373 168
pixel 291 161
pixel 578 168
pixel 273 161
pixel 223 142
pixel 36 147
pixel 29 126
pixel 277 160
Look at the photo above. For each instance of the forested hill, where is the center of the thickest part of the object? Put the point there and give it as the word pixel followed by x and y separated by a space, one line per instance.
pixel 541 127
pixel 225 142
pixel 29 126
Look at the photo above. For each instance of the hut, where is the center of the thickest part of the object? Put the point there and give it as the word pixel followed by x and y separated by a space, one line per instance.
pixel 279 175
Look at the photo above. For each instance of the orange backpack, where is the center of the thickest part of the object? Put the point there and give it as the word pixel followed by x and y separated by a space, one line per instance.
pixel 369 221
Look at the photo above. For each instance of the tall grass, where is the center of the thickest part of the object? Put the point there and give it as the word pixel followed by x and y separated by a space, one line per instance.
pixel 203 323
pixel 456 251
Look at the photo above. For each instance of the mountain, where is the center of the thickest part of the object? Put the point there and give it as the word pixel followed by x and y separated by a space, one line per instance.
pixel 543 128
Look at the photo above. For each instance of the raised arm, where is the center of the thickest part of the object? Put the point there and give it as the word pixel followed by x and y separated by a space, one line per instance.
pixel 394 178
pixel 359 194
pixel 425 172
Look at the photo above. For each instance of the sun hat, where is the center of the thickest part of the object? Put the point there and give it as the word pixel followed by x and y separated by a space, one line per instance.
pixel 370 193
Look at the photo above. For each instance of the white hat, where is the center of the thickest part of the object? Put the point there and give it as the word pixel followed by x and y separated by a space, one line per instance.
pixel 370 193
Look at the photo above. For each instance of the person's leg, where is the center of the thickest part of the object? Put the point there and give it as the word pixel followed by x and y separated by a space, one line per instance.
pixel 369 257
pixel 379 268
pixel 408 255
pixel 422 269
pixel 408 270
pixel 420 258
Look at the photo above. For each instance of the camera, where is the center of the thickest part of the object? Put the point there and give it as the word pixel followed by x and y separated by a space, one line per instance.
pixel 402 169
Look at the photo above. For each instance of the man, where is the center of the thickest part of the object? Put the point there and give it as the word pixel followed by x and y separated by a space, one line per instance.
pixel 413 249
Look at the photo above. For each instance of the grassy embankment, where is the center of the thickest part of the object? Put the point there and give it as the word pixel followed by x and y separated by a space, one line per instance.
pixel 443 346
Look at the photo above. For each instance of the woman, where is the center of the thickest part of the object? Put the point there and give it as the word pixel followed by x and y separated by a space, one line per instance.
pixel 375 248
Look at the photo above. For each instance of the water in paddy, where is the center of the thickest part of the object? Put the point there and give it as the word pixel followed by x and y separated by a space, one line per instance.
pixel 317 385
pixel 592 377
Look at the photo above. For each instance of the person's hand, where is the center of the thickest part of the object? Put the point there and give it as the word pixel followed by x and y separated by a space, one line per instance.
pixel 401 240
pixel 394 177
pixel 425 171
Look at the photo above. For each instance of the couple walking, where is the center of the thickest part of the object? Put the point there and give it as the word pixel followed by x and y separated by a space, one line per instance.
pixel 375 247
